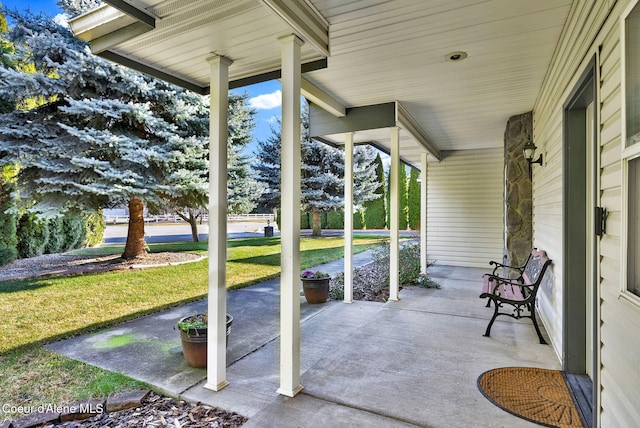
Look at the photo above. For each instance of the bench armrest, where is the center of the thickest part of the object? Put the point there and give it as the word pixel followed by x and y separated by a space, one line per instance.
pixel 498 265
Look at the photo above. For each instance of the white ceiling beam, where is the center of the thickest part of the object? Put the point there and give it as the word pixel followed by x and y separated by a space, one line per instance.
pixel 408 123
pixel 305 20
pixel 323 100
pixel 113 39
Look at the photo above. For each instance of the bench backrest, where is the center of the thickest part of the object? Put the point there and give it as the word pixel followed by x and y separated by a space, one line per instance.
pixel 535 268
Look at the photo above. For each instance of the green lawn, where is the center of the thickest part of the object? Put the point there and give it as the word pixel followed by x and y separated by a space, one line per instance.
pixel 40 310
pixel 45 309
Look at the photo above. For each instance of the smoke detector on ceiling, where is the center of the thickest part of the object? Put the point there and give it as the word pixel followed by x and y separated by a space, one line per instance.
pixel 455 56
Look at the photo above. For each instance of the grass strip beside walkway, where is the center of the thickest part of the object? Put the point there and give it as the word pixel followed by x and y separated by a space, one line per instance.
pixel 40 310
pixel 45 309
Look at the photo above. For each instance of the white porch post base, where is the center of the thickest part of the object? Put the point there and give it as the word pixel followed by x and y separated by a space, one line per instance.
pixel 290 392
pixel 217 387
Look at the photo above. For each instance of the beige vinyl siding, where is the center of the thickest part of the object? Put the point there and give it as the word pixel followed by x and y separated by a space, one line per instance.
pixel 591 28
pixel 464 208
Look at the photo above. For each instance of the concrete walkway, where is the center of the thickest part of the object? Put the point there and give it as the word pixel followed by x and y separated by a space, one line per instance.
pixel 409 363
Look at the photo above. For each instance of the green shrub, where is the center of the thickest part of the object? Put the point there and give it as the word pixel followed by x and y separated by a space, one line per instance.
pixel 94 225
pixel 55 240
pixel 409 258
pixel 402 198
pixel 304 221
pixel 32 234
pixel 358 220
pixel 8 238
pixel 375 214
pixel 335 219
pixel 74 231
pixel 414 200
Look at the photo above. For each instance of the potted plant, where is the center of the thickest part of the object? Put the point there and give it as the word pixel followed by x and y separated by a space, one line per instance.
pixel 315 286
pixel 193 332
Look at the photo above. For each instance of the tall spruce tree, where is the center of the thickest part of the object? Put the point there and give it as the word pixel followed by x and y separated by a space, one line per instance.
pixel 243 190
pixel 8 237
pixel 413 200
pixel 6 51
pixel 375 212
pixel 322 174
pixel 402 197
pixel 267 167
pixel 106 135
pixel 74 8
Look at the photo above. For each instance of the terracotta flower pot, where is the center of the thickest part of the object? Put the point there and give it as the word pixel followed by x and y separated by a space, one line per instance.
pixel 316 290
pixel 194 344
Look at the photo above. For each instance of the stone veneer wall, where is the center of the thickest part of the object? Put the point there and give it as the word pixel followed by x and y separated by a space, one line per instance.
pixel 518 204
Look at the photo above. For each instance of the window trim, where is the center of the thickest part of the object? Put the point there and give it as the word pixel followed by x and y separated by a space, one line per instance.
pixel 627 154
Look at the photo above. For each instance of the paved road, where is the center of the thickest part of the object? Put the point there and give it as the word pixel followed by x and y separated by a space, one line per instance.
pixel 179 232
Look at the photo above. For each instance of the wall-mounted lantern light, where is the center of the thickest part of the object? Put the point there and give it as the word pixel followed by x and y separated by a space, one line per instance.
pixel 529 151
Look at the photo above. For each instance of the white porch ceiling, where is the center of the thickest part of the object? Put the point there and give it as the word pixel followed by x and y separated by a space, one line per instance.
pixel 380 51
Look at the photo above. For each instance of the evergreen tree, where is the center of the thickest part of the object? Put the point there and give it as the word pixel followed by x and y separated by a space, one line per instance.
pixel 106 136
pixel 414 200
pixel 322 174
pixel 6 50
pixel 267 169
pixel 375 212
pixel 8 238
pixel 74 8
pixel 243 190
pixel 186 190
pixel 402 197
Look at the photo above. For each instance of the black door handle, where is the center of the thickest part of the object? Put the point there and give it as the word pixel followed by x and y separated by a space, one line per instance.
pixel 601 215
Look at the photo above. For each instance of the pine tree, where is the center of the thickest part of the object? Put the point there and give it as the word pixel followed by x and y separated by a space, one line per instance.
pixel 109 135
pixel 402 197
pixel 414 200
pixel 6 50
pixel 243 190
pixel 365 179
pixel 375 213
pixel 322 174
pixel 8 238
pixel 74 8
pixel 267 168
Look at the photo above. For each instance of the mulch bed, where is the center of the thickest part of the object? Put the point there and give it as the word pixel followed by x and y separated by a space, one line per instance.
pixel 370 282
pixel 160 411
pixel 63 264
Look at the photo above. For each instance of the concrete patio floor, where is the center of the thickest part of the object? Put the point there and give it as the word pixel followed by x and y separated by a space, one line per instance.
pixel 409 363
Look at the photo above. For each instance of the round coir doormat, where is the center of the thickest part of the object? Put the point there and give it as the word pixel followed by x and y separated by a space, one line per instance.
pixel 537 395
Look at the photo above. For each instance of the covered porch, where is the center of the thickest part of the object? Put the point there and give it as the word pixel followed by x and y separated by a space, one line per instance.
pixel 414 362
pixel 457 72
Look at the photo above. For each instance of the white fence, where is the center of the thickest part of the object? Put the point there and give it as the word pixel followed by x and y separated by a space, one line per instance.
pixel 250 217
pixel 113 216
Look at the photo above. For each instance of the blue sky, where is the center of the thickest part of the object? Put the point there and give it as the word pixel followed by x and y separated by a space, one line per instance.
pixel 264 97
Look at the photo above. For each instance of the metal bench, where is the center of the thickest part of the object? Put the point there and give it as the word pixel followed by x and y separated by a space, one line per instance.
pixel 519 293
pixel 513 273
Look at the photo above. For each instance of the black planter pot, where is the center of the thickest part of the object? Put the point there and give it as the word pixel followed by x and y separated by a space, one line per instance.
pixel 194 343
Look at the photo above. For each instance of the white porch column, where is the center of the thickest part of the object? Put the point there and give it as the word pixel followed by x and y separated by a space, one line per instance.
pixel 290 223
pixel 423 212
pixel 348 217
pixel 394 195
pixel 217 303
